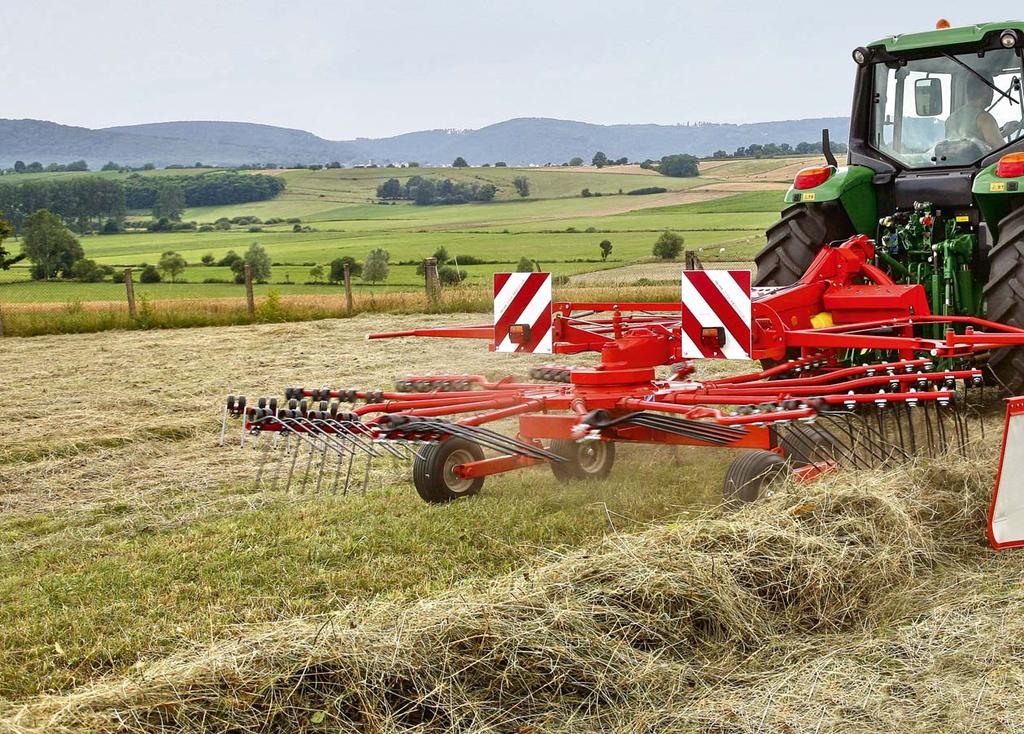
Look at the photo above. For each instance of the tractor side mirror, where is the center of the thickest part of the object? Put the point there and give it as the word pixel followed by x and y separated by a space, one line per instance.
pixel 928 97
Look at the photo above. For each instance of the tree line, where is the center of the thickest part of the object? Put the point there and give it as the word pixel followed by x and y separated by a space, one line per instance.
pixel 775 150
pixel 427 192
pixel 92 203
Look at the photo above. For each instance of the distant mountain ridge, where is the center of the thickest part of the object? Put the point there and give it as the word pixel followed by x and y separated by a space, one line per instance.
pixel 520 141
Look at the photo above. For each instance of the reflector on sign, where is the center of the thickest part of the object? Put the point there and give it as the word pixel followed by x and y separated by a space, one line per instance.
pixel 716 314
pixel 522 312
pixel 1006 514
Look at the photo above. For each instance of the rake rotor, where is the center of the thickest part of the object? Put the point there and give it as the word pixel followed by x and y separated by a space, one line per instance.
pixel 879 380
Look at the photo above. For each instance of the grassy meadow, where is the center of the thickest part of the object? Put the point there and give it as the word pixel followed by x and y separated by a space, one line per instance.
pixel 722 215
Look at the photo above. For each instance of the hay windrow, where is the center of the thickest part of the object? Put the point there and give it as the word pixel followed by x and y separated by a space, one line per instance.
pixel 647 631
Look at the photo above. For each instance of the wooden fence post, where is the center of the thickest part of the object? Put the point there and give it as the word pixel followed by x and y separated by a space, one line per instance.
pixel 433 282
pixel 692 261
pixel 129 287
pixel 249 298
pixel 348 287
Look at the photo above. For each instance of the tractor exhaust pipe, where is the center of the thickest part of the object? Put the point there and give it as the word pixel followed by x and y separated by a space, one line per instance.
pixel 826 148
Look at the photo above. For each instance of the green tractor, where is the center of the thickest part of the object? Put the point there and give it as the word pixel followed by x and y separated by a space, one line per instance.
pixel 935 175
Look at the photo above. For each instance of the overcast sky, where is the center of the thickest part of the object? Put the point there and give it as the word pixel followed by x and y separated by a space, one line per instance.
pixel 343 69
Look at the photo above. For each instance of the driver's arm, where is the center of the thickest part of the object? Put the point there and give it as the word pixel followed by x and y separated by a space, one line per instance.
pixel 989 129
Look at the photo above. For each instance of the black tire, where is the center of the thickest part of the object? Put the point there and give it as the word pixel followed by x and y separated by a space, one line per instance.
pixel 1004 297
pixel 805 444
pixel 750 474
pixel 795 239
pixel 432 470
pixel 587 461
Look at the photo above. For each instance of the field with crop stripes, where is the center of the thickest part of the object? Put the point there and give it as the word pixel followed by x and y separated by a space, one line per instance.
pixel 721 215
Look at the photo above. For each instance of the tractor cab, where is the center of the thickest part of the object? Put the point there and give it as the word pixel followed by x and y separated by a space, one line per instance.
pixel 935 177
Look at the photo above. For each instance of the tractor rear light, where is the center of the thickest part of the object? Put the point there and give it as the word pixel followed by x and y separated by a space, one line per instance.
pixel 941 24
pixel 519 333
pixel 1010 165
pixel 808 178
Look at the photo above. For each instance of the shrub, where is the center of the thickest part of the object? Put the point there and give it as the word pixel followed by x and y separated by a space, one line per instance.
pixel 585 193
pixel 648 190
pixel 150 274
pixel 229 260
pixel 525 265
pixel 87 271
pixel 450 275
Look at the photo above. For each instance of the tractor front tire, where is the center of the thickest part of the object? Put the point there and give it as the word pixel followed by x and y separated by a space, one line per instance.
pixel 588 460
pixel 751 475
pixel 795 239
pixel 433 470
pixel 1004 297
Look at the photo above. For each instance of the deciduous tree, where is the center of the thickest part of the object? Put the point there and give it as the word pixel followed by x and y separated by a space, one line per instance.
pixel 172 265
pixel 668 246
pixel 375 269
pixel 49 245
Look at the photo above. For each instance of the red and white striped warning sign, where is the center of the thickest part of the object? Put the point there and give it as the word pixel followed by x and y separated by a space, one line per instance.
pixel 716 314
pixel 522 312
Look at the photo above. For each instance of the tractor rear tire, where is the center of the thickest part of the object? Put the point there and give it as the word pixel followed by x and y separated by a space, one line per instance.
pixel 795 239
pixel 433 475
pixel 1004 297
pixel 589 460
pixel 750 475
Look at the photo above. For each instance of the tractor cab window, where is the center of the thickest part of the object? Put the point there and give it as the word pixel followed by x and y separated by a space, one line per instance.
pixel 947 110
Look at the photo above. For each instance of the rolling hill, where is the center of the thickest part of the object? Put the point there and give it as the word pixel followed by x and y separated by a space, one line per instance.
pixel 521 141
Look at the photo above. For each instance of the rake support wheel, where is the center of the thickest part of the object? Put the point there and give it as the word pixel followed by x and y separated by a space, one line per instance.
pixel 1004 297
pixel 433 470
pixel 583 461
pixel 750 474
pixel 795 239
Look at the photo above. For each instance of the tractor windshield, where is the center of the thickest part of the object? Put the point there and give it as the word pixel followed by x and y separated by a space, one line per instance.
pixel 947 110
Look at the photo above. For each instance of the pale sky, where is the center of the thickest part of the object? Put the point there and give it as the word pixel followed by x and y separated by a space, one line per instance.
pixel 342 69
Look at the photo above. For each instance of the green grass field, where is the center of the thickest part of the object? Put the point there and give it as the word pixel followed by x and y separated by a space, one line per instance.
pixel 554 226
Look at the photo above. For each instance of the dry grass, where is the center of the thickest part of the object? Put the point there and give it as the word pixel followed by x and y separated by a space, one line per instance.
pixel 864 603
pixel 37 319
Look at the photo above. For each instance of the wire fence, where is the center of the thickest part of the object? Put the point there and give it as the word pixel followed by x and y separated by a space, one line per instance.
pixel 122 301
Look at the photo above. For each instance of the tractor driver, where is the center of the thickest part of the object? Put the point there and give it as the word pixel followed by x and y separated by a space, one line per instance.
pixel 971 120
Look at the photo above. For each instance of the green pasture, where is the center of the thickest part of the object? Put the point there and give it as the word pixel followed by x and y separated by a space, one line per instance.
pixel 562 234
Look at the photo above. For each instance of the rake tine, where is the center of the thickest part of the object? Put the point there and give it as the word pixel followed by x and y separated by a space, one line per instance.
pixel 320 472
pixel 366 473
pixel 263 462
pixel 898 410
pixel 223 425
pixel 850 446
pixel 277 470
pixel 929 429
pixel 517 446
pixel 940 421
pixel 348 473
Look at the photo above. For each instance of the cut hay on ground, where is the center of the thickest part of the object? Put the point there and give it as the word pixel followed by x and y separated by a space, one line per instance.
pixel 853 604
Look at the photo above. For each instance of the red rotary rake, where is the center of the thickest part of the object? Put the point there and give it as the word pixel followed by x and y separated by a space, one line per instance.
pixel 857 372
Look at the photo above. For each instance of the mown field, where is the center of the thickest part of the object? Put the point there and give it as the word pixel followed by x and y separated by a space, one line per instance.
pixel 125 531
pixel 149 587
pixel 721 215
